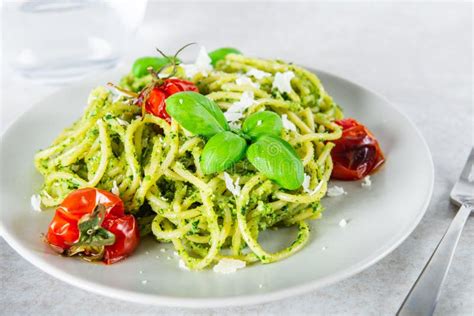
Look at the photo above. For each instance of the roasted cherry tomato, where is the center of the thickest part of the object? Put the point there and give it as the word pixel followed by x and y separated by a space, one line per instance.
pixel 127 236
pixel 92 222
pixel 173 85
pixel 156 96
pixel 357 153
pixel 155 104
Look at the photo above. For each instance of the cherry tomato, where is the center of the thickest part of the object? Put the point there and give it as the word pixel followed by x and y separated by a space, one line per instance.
pixel 80 206
pixel 127 237
pixel 173 85
pixel 155 104
pixel 155 100
pixel 357 153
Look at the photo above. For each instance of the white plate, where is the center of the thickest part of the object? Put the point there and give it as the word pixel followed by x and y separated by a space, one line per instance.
pixel 379 218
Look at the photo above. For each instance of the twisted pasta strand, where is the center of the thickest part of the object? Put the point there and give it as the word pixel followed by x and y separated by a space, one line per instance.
pixel 156 164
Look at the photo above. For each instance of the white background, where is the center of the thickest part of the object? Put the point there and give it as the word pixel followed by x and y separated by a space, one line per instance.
pixel 419 55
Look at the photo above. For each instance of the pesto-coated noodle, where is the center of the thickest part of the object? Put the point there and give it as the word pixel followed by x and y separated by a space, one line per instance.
pixel 155 164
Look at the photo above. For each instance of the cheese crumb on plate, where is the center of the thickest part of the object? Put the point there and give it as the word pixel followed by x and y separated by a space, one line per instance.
pixel 182 265
pixel 366 182
pixel 228 265
pixel 343 222
pixel 36 202
pixel 336 191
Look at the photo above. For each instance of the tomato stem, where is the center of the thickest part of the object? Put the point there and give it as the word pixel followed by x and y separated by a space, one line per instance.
pixel 172 61
pixel 124 91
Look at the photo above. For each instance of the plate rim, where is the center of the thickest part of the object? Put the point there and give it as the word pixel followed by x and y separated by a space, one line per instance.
pixel 239 300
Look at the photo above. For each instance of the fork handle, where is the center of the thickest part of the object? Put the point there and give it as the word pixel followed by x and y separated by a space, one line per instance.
pixel 423 296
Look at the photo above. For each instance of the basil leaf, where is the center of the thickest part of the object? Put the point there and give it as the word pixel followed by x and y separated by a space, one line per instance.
pixel 222 151
pixel 140 66
pixel 196 113
pixel 262 123
pixel 220 54
pixel 276 159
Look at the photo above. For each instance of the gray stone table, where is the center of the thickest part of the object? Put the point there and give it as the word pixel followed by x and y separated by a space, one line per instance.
pixel 419 55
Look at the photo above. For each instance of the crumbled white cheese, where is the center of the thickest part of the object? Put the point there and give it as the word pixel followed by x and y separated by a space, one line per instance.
pixel 343 223
pixel 244 81
pixel 260 286
pixel 147 252
pixel 324 248
pixel 282 81
pixel 175 254
pixel 144 282
pixel 236 111
pixel 470 177
pixel 257 74
pixel 287 124
pixel 366 182
pixel 121 122
pixel 138 117
pixel 228 265
pixel 141 272
pixel 201 65
pixel 157 257
pixel 335 191
pixel 91 98
pixel 203 61
pixel 235 125
pixel 163 249
pixel 232 186
pixel 115 190
pixel 36 202
pixel 182 265
pixel 246 101
pixel 259 122
pixel 168 258
pixel 233 117
pixel 306 183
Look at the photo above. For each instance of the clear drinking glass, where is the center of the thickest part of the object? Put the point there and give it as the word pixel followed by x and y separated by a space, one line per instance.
pixel 60 40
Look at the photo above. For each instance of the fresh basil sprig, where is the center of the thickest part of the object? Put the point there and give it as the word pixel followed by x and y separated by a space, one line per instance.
pixel 276 159
pixel 196 113
pixel 268 153
pixel 262 123
pixel 222 151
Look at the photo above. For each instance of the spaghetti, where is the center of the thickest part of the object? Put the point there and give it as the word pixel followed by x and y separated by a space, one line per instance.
pixel 153 164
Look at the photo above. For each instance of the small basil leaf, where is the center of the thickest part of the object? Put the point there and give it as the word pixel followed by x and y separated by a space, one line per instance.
pixel 220 54
pixel 196 113
pixel 140 66
pixel 262 123
pixel 277 160
pixel 222 151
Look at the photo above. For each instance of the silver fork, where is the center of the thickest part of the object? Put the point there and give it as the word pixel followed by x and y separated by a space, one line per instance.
pixel 423 296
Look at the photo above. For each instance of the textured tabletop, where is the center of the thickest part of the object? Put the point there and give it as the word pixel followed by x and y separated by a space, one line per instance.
pixel 417 55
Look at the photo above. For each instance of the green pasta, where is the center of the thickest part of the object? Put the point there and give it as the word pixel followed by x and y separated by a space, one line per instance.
pixel 154 166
